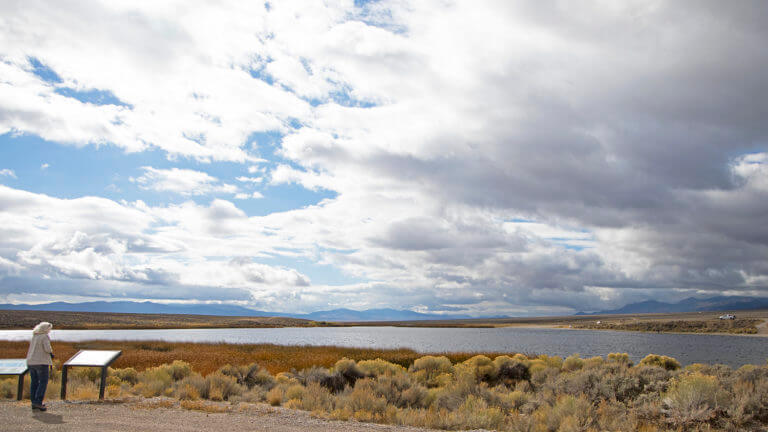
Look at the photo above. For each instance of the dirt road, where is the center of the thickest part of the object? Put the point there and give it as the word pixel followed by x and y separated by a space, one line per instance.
pixel 143 417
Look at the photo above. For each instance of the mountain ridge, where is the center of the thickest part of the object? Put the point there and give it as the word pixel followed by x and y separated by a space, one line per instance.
pixel 690 304
pixel 385 314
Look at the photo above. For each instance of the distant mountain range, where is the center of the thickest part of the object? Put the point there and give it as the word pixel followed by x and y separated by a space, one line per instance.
pixel 231 310
pixel 692 304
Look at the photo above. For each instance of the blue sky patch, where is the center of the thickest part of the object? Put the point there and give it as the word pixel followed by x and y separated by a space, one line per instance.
pixel 44 72
pixel 92 96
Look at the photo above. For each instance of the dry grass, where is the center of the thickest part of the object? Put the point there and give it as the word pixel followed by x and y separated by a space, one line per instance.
pixel 204 407
pixel 738 326
pixel 206 358
pixel 155 404
pixel 14 319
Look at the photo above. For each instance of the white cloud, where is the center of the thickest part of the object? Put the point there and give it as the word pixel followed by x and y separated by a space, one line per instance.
pixel 284 174
pixel 252 195
pixel 182 181
pixel 435 124
pixel 7 173
pixel 44 166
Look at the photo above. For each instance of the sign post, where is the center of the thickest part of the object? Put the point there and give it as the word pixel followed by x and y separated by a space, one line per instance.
pixel 15 367
pixel 89 358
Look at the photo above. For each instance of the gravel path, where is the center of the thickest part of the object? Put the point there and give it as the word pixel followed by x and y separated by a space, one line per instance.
pixel 152 417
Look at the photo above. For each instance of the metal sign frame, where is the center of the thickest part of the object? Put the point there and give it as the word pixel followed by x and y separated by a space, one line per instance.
pixel 20 388
pixel 103 367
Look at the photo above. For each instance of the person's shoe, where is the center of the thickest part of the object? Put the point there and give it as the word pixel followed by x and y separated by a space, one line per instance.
pixel 39 407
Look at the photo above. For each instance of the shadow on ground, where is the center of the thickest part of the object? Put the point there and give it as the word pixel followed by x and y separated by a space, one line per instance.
pixel 48 417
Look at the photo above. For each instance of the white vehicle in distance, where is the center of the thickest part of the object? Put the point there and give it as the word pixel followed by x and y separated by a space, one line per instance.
pixel 727 317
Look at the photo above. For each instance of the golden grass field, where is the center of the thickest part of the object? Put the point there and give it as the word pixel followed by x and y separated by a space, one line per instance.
pixel 206 358
pixel 13 319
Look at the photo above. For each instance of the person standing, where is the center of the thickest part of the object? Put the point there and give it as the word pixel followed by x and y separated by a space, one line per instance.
pixel 39 360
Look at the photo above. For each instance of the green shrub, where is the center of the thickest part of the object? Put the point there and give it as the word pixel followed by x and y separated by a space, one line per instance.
pixel 427 369
pixel 480 367
pixel 222 387
pixel 192 387
pixel 571 413
pixel 362 401
pixel 316 398
pixel 552 361
pixel 178 370
pixel 154 382
pixel 593 362
pixel 379 367
pixel 653 379
pixel 475 413
pixel 126 375
pixel 295 391
pixel 693 398
pixel 510 370
pixel 750 403
pixel 92 374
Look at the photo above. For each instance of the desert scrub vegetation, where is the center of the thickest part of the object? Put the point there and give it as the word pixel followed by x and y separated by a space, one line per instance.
pixel 492 392
pixel 205 358
pixel 737 326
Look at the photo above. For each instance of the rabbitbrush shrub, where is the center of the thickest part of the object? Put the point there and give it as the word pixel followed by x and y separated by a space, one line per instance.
pixel 665 362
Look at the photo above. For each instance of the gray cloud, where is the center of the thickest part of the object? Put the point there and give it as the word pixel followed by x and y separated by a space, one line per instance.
pixel 622 128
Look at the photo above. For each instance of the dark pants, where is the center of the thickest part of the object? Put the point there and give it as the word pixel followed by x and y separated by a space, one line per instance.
pixel 38 375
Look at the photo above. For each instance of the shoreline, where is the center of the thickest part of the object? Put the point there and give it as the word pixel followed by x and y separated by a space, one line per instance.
pixel 512 326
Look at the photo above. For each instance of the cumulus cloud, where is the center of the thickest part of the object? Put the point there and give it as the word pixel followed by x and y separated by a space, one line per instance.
pixel 251 195
pixel 488 157
pixel 181 181
pixel 5 172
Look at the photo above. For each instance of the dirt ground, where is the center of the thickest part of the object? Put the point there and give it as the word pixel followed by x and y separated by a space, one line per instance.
pixel 142 417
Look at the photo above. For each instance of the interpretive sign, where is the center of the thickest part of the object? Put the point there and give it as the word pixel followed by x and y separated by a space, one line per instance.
pixel 93 358
pixel 15 367
pixel 89 358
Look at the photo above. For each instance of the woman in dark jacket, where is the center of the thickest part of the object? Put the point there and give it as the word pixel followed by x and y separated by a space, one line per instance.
pixel 39 360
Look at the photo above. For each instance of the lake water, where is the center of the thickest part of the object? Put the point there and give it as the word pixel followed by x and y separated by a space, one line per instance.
pixel 686 348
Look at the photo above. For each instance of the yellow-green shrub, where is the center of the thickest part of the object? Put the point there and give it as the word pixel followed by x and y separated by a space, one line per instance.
pixel 154 382
pixel 693 398
pixel 593 362
pixel 222 387
pixel 480 367
pixel 379 367
pixel 572 363
pixel 620 358
pixel 552 361
pixel 661 361
pixel 427 368
pixel 8 388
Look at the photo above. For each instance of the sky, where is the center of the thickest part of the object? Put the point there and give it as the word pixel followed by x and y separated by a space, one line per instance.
pixel 474 157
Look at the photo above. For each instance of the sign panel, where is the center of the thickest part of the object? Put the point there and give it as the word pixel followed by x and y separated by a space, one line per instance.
pixel 93 358
pixel 13 366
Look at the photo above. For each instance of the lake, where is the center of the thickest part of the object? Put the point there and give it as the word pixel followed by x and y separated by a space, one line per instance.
pixel 686 348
